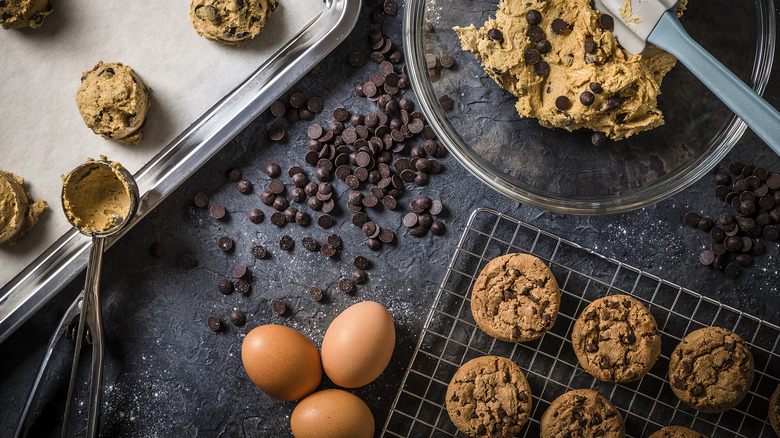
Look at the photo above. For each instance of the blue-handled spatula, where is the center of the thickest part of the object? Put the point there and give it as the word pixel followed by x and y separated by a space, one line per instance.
pixel 654 22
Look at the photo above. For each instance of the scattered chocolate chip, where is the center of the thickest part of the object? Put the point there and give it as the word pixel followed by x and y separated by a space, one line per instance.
pixel 237 318
pixel 279 307
pixel 278 219
pixel 256 216
pixel 562 103
pixel 315 293
pixel 599 139
pixel 446 102
pixel 559 26
pixel 225 243
pixel 286 243
pixel 187 261
pixel 590 45
pixel 242 286
pixel 259 251
pixel 357 59
pixel 244 186
pixel 201 200
pixel 607 22
pixel 346 285
pixel 543 46
pixel 542 68
pixel 325 221
pixel 225 286
pixel 587 98
pixel 495 34
pixel 359 276
pixel 532 57
pixel 535 34
pixel 214 323
pixel 217 211
pixel 533 17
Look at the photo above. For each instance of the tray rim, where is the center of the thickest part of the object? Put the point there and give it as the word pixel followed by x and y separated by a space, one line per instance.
pixel 64 259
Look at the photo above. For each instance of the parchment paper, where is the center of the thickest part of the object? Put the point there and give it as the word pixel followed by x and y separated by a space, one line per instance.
pixel 42 135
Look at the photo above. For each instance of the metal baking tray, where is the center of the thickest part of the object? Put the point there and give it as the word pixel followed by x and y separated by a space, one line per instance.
pixel 450 338
pixel 42 279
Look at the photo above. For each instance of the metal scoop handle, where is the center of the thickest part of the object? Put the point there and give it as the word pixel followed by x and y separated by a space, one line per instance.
pixel 761 117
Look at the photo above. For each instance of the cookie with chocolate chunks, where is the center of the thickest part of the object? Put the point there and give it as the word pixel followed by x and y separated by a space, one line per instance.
pixel 489 397
pixel 515 298
pixel 676 432
pixel 616 339
pixel 582 412
pixel 711 370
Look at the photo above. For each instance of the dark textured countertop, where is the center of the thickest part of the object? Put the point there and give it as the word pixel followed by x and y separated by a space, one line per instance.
pixel 166 374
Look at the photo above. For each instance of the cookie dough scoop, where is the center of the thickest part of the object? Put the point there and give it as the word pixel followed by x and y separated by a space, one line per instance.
pixel 637 23
pixel 99 198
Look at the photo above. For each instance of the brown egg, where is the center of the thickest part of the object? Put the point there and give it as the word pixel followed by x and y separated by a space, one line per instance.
pixel 358 344
pixel 282 362
pixel 332 413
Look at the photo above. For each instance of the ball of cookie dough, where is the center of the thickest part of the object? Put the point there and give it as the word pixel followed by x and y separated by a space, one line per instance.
pixel 114 102
pixel 489 397
pixel 15 14
pixel 711 370
pixel 18 212
pixel 230 22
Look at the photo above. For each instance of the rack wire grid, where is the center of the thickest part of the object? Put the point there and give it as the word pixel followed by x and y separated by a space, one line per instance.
pixel 450 338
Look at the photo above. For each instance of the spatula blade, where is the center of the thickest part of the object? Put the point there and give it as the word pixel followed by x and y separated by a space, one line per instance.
pixel 634 19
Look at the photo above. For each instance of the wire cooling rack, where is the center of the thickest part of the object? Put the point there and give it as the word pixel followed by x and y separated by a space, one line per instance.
pixel 450 338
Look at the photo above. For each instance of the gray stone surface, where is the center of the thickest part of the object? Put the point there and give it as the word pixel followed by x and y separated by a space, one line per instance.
pixel 167 374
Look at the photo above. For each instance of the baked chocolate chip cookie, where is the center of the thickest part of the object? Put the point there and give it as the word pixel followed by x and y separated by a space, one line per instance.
pixel 515 298
pixel 616 339
pixel 114 102
pixel 230 22
pixel 15 14
pixel 676 432
pixel 489 397
pixel 582 413
pixel 774 410
pixel 711 370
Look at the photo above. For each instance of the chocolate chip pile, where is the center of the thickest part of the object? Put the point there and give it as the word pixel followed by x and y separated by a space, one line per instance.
pixel 754 197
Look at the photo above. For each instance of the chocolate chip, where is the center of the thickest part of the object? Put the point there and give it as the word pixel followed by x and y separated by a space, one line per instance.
pixel 325 221
pixel 542 68
pixel 278 219
pixel 446 102
pixel 437 228
pixel 187 261
pixel 706 257
pixel 590 45
pixel 213 323
pixel 532 57
pixel 277 109
pixel 237 318
pixel 217 211
pixel 244 186
pixel 359 276
pixel 559 26
pixel 201 200
pixel 259 251
pixel 595 87
pixel 225 286
pixel 374 244
pixel 357 59
pixel 279 307
pixel 495 34
pixel 691 219
pixel 535 34
pixel 276 133
pixel 242 286
pixel 599 139
pixel 543 46
pixel 587 98
pixel 286 243
pixel 156 250
pixel 733 243
pixel 770 232
pixel 562 103
pixel 225 243
pixel 346 285
pixel 533 17
pixel 607 22
pixel 614 102
pixel 280 203
pixel 241 271
pixel 733 270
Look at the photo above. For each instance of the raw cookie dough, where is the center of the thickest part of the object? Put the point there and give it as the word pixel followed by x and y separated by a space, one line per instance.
pixel 15 14
pixel 569 74
pixel 114 102
pixel 515 298
pixel 95 197
pixel 230 22
pixel 583 413
pixel 489 397
pixel 18 212
pixel 774 410
pixel 676 432
pixel 711 370
pixel 616 339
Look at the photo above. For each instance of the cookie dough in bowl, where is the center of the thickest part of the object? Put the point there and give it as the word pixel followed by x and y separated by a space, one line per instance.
pixel 15 14
pixel 566 69
pixel 230 22
pixel 114 102
pixel 18 212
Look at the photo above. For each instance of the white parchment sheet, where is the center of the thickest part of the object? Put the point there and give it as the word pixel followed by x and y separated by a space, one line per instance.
pixel 42 135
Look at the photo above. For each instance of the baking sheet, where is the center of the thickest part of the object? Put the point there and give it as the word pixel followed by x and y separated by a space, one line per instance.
pixel 42 135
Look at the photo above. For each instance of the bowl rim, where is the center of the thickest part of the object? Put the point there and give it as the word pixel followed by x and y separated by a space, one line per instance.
pixel 720 145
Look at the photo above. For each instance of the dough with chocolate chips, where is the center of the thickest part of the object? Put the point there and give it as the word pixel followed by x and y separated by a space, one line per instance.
pixel 570 74
pixel 515 298
pixel 18 212
pixel 676 432
pixel 616 339
pixel 230 22
pixel 15 14
pixel 114 102
pixel 489 397
pixel 711 370
pixel 583 413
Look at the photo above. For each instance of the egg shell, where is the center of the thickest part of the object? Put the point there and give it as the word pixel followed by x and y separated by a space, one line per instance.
pixel 332 413
pixel 358 344
pixel 281 361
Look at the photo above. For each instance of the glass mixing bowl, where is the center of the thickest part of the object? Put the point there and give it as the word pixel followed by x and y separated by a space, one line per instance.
pixel 561 171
